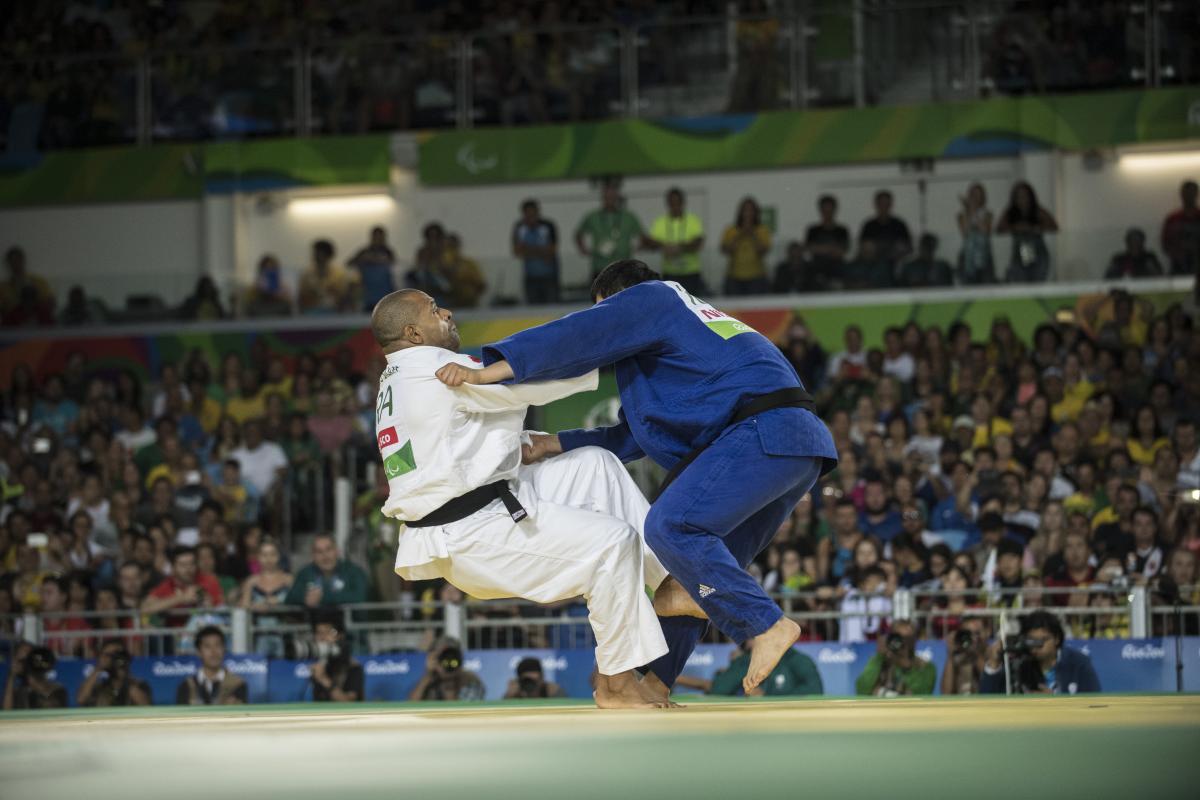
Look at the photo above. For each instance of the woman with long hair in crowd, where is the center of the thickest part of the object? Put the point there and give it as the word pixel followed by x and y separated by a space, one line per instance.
pixel 263 593
pixel 1028 223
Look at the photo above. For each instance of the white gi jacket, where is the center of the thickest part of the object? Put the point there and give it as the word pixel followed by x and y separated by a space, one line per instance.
pixel 439 443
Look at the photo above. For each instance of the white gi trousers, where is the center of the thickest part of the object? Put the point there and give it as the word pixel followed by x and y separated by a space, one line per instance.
pixel 583 537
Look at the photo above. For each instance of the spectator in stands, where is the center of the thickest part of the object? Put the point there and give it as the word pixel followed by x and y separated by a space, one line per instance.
pixel 269 296
pixel 445 676
pixel 327 287
pixel 1049 667
pixel 336 676
pixel 679 234
pixel 869 269
pixel 55 591
pixel 110 683
pixel 428 272
pixel 204 303
pixel 896 670
pixel 746 242
pixel 131 586
pixel 878 518
pixel 375 263
pixel 975 263
pixel 263 592
pixel 24 288
pixel 1028 223
pixel 849 364
pixel 329 425
pixel 1135 261
pixel 467 284
pixel 866 604
pixel 925 269
pixel 29 684
pixel 889 233
pixel 1145 560
pixel 826 244
pixel 795 675
pixel 185 588
pixel 965 653
pixel 329 581
pixel 82 310
pixel 212 684
pixel 530 682
pixel 611 232
pixel 1181 232
pixel 263 463
pixel 535 242
pixel 796 273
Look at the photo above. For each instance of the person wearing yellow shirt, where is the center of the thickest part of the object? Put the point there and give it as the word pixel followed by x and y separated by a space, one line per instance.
pixel 19 279
pixel 467 284
pixel 747 243
pixel 204 408
pixel 248 403
pixel 1120 312
pixel 1147 438
pixel 986 425
pixel 327 287
pixel 679 234
pixel 1076 390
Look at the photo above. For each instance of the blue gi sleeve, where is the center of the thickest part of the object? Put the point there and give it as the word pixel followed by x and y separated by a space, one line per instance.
pixel 617 439
pixel 627 323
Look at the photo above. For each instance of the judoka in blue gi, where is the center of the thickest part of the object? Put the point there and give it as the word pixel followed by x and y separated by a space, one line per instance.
pixel 694 383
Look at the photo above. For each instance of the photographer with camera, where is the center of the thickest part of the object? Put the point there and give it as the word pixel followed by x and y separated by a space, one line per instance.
pixel 896 669
pixel 1038 661
pixel 212 685
pixel 530 682
pixel 964 658
pixel 336 676
pixel 110 683
pixel 29 684
pixel 445 678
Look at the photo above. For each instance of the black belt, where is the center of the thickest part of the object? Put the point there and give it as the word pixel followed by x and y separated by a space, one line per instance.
pixel 465 505
pixel 794 397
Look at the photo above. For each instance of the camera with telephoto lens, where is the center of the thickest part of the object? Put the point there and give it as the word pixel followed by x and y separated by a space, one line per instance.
pixel 40 660
pixel 450 659
pixel 119 660
pixel 895 643
pixel 964 640
pixel 530 686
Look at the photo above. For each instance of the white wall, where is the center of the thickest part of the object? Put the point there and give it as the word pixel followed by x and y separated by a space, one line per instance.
pixel 113 250
pixel 120 249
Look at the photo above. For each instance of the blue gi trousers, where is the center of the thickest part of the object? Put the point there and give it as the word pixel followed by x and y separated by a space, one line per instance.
pixel 718 515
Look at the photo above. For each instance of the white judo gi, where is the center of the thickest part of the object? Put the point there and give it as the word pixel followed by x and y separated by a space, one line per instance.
pixel 583 533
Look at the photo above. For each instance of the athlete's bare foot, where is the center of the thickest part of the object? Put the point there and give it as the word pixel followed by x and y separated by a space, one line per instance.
pixel 769 646
pixel 656 690
pixel 671 600
pixel 622 691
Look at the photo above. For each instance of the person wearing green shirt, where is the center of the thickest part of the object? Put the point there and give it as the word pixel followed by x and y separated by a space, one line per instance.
pixel 897 669
pixel 795 675
pixel 610 233
pixel 328 581
pixel 679 234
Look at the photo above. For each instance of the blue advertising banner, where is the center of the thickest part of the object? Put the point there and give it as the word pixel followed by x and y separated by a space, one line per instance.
pixel 1124 665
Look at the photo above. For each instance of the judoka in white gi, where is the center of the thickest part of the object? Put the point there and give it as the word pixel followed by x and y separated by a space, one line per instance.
pixel 572 526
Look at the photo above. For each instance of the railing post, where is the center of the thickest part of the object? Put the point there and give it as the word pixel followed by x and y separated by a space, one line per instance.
pixel 799 62
pixel 455 618
pixel 466 82
pixel 860 78
pixel 902 604
pixel 1139 612
pixel 343 508
pixel 31 627
pixel 629 71
pixel 301 97
pixel 144 123
pixel 239 629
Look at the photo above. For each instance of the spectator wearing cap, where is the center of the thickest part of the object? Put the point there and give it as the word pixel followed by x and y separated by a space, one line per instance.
pixel 1135 261
pixel 530 682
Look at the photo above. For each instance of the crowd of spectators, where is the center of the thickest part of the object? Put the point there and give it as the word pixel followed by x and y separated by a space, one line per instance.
pixel 227 68
pixel 982 471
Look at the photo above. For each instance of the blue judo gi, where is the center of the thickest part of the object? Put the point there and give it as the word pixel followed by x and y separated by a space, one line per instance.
pixel 684 369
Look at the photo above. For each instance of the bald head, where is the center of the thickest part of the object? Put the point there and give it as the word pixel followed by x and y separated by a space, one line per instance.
pixel 409 318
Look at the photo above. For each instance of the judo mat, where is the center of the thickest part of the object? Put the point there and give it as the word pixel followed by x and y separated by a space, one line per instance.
pixel 1095 746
